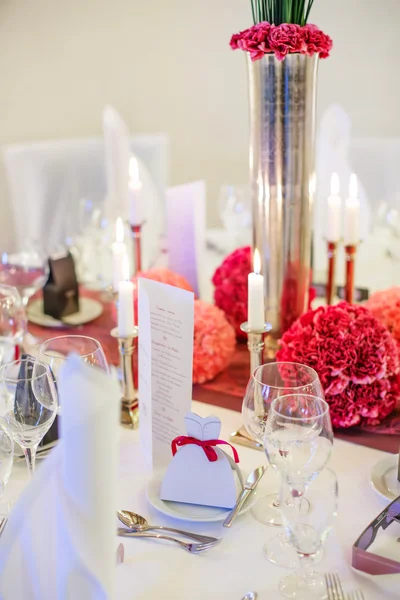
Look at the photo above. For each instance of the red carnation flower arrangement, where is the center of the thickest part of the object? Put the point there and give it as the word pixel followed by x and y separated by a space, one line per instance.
pixel 355 357
pixel 231 289
pixel 280 28
pixel 230 281
pixel 281 40
pixel 385 306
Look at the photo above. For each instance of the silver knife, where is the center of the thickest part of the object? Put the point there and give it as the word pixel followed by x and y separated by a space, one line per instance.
pixel 249 487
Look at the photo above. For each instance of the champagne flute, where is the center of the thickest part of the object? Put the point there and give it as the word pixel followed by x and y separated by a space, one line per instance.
pixel 28 417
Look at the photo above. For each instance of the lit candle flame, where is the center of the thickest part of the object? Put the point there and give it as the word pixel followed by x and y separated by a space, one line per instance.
pixel 335 185
pixel 353 187
pixel 133 169
pixel 125 267
pixel 119 231
pixel 257 262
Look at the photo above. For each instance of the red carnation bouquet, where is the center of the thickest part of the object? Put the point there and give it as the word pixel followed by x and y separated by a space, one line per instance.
pixel 280 28
pixel 355 357
pixel 230 281
pixel 281 40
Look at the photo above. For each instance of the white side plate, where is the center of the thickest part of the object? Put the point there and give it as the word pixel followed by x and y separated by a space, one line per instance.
pixel 383 477
pixel 89 310
pixel 189 512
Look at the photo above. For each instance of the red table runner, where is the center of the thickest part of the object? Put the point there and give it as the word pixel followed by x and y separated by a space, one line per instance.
pixel 227 389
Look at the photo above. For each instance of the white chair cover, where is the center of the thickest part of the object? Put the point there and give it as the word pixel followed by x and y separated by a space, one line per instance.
pixel 47 180
pixel 333 155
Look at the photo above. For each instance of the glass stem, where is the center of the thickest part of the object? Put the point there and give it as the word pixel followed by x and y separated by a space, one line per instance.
pixel 30 457
pixel 306 562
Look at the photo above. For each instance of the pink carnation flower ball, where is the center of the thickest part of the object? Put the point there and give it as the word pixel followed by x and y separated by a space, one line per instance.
pixel 355 357
pixel 214 337
pixel 214 342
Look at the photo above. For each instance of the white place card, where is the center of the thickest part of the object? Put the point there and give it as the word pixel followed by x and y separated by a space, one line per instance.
pixel 166 323
pixel 186 218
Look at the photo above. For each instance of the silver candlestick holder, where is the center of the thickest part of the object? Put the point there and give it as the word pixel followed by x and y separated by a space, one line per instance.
pixel 130 397
pixel 255 344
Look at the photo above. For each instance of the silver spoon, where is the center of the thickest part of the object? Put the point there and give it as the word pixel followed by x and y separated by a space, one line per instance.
pixel 250 596
pixel 138 523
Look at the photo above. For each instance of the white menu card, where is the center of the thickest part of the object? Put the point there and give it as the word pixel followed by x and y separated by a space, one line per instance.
pixel 166 323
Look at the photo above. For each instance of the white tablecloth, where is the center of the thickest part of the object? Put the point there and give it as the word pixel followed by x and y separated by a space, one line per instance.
pixel 155 570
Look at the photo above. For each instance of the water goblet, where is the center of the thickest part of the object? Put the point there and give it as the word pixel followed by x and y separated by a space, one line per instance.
pixel 29 415
pixel 308 531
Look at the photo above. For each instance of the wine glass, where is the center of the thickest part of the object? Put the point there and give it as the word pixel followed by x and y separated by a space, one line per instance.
pixel 12 322
pixel 308 531
pixel 268 382
pixel 54 352
pixel 298 437
pixel 26 270
pixel 28 417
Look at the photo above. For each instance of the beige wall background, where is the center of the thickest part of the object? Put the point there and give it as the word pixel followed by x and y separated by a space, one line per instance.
pixel 166 66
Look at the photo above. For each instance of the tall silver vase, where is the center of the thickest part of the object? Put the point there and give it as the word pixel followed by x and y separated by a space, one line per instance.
pixel 282 122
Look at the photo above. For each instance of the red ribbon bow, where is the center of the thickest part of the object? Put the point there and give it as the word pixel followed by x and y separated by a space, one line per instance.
pixel 207 445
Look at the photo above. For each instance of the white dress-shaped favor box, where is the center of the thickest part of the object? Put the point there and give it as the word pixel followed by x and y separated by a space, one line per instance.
pixel 192 477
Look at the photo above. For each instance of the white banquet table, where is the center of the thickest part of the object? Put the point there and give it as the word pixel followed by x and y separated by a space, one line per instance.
pixel 155 569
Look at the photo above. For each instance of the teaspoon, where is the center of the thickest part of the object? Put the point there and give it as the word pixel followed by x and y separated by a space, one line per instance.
pixel 138 523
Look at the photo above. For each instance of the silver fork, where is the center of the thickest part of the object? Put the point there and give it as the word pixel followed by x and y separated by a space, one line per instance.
pixel 194 548
pixel 334 587
pixel 355 595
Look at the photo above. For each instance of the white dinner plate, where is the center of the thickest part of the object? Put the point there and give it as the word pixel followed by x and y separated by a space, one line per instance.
pixel 89 310
pixel 189 512
pixel 383 477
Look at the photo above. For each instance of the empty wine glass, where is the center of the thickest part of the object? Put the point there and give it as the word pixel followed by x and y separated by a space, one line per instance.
pixel 6 454
pixel 28 417
pixel 27 271
pixel 298 437
pixel 308 531
pixel 12 322
pixel 54 352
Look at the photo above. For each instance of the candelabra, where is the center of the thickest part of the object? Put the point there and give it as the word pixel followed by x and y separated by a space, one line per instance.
pixel 351 251
pixel 129 400
pixel 330 286
pixel 255 344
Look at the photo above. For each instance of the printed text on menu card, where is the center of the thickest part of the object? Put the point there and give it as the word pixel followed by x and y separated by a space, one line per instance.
pixel 166 321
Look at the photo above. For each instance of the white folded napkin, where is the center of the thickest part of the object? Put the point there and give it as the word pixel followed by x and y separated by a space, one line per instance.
pixel 59 543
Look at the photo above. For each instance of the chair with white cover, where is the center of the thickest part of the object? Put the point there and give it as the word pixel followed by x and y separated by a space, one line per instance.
pixel 333 155
pixel 48 179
